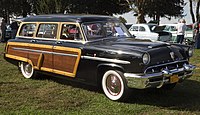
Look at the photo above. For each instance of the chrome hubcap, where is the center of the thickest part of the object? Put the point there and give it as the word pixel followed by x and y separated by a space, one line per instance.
pixel 27 69
pixel 113 85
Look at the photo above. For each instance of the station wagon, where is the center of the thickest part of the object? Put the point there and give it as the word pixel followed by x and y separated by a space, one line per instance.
pixel 99 51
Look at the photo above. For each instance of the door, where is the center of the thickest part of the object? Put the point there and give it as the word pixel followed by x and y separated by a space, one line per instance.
pixel 42 46
pixel 67 51
pixel 20 48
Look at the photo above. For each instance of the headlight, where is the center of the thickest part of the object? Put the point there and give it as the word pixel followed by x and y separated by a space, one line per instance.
pixel 146 58
pixel 190 52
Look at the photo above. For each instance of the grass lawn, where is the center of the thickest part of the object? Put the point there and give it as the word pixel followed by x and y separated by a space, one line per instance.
pixel 53 96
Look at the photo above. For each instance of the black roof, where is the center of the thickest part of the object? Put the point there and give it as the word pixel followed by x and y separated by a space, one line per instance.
pixel 68 18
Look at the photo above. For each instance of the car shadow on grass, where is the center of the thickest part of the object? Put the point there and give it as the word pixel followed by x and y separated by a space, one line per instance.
pixel 185 96
pixel 69 82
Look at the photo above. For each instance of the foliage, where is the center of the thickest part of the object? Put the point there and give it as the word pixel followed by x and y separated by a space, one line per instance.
pixel 107 7
pixel 157 9
pixel 9 8
pixel 25 7
pixel 165 8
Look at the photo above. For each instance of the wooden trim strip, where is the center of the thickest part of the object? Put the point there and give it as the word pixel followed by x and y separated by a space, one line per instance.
pixel 40 60
pixel 19 58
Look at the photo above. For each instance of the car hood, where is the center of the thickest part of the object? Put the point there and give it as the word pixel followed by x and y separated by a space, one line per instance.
pixel 160 52
pixel 128 44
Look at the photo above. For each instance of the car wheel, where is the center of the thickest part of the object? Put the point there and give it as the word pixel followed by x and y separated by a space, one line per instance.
pixel 168 86
pixel 114 85
pixel 27 70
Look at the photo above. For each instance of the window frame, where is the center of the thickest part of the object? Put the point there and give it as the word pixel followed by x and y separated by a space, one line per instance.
pixel 136 27
pixel 46 38
pixel 20 29
pixel 80 29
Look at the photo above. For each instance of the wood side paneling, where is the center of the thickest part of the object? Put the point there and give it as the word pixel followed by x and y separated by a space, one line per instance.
pixel 64 63
pixel 47 59
pixel 60 60
pixel 21 53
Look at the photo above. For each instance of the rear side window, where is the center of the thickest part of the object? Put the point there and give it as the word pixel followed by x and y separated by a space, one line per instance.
pixel 70 32
pixel 47 31
pixel 28 30
pixel 134 28
pixel 142 29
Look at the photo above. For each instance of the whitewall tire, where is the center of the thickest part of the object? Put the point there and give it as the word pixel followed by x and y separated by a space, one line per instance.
pixel 114 85
pixel 27 70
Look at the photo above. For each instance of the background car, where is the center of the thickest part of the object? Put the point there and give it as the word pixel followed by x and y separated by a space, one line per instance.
pixel 172 29
pixel 152 32
pixel 8 33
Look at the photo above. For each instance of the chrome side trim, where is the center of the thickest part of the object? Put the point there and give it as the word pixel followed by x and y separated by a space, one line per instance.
pixel 52 39
pixel 106 60
pixel 45 52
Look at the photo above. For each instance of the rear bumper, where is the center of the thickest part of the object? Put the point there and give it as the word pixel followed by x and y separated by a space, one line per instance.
pixel 159 79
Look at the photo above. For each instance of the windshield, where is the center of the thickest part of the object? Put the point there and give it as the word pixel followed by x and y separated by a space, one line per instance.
pixel 156 28
pixel 152 27
pixel 98 30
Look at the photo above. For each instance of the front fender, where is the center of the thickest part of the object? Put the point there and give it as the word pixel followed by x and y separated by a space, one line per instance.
pixel 110 66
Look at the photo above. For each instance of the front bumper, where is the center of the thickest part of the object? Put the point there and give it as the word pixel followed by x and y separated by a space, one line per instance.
pixel 159 79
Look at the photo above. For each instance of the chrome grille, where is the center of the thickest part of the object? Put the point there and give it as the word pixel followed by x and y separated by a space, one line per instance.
pixel 169 66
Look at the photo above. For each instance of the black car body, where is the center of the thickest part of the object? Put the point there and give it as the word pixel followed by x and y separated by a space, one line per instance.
pixel 97 50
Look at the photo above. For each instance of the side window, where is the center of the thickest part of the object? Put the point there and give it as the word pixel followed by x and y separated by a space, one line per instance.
pixel 134 28
pixel 167 28
pixel 142 29
pixel 27 30
pixel 70 32
pixel 47 31
pixel 173 28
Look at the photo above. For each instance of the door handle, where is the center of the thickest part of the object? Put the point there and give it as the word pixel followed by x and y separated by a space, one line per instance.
pixel 33 40
pixel 59 42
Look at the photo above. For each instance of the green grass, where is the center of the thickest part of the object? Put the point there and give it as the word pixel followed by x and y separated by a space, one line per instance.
pixel 53 96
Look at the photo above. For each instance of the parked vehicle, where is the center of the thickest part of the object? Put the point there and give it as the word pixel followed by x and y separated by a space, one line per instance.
pixel 152 32
pixel 8 33
pixel 96 50
pixel 188 34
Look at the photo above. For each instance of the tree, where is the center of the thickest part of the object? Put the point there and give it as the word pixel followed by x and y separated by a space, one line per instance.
pixel 49 6
pixel 165 8
pixel 156 9
pixel 6 9
pixel 123 20
pixel 107 7
pixel 140 8
pixel 21 7
pixel 197 2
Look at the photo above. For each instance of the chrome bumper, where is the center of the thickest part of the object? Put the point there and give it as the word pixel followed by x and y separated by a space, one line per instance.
pixel 157 80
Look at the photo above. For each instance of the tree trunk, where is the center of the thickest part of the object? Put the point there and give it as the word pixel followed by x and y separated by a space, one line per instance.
pixel 197 11
pixel 191 11
pixel 141 18
pixel 158 19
